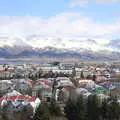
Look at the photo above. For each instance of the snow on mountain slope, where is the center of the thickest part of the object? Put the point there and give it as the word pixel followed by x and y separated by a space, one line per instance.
pixel 66 43
pixel 36 41
pixel 35 46
pixel 77 44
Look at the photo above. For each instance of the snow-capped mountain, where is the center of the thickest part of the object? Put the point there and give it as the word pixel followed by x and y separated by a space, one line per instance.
pixel 38 46
pixel 36 41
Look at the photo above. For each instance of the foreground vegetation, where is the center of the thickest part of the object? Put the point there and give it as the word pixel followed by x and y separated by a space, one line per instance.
pixel 48 112
pixel 91 109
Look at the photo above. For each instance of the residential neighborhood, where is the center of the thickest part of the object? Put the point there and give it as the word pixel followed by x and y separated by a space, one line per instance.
pixel 27 86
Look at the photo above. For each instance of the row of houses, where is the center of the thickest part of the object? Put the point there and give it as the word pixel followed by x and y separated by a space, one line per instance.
pixel 30 85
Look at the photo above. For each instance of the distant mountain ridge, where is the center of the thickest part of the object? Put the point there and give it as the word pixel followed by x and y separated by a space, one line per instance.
pixel 36 47
pixel 49 52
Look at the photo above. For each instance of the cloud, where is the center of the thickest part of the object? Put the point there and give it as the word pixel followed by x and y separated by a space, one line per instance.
pixel 63 24
pixel 80 3
pixel 107 1
pixel 70 27
pixel 83 3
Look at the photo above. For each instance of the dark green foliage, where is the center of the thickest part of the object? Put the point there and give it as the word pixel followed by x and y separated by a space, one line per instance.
pixel 81 109
pixel 82 75
pixel 94 78
pixel 93 110
pixel 46 111
pixel 54 109
pixel 73 72
pixel 71 110
pixel 114 111
pixel 42 113
pixel 76 110
pixel 104 110
pixel 56 63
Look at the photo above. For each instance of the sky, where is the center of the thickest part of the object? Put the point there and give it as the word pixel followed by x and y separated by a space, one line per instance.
pixel 73 18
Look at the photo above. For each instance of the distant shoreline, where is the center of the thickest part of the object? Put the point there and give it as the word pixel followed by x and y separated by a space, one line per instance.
pixel 49 60
pixel 36 60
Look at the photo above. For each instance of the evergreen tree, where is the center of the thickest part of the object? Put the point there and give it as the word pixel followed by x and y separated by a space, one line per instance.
pixel 82 75
pixel 81 111
pixel 114 110
pixel 42 113
pixel 54 109
pixel 94 78
pixel 71 110
pixel 93 109
pixel 73 72
pixel 104 110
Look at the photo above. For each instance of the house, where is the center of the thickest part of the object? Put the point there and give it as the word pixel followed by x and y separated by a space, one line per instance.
pixel 42 89
pixel 86 83
pixel 66 66
pixel 83 92
pixel 16 101
pixel 100 90
pixel 100 79
pixel 5 86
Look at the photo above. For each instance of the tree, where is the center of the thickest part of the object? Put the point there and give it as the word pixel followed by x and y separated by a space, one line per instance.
pixel 70 110
pixel 42 113
pixel 56 63
pixel 93 109
pixel 82 75
pixel 94 78
pixel 104 110
pixel 54 109
pixel 114 110
pixel 81 109
pixel 73 72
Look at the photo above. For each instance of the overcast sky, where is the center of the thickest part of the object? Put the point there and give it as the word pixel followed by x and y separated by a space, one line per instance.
pixel 82 18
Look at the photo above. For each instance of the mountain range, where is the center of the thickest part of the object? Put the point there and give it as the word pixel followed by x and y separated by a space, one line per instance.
pixel 36 46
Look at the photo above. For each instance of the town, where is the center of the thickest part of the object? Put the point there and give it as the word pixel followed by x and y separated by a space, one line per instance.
pixel 24 87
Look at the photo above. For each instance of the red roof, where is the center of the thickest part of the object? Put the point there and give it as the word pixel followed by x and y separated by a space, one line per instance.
pixel 21 97
pixel 31 99
pixel 29 80
pixel 40 80
pixel 25 97
pixel 1 99
pixel 43 81
pixel 100 76
pixel 11 97
pixel 46 83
